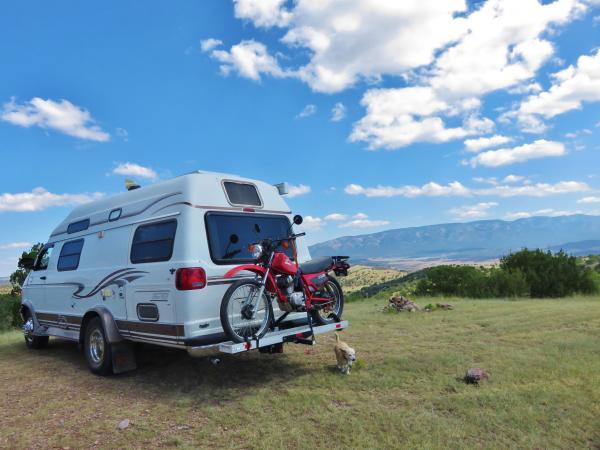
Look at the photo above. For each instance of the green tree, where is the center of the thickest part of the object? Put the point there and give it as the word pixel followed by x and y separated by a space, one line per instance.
pixel 17 278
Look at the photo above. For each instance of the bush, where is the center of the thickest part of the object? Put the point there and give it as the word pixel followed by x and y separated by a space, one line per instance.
pixel 551 274
pixel 10 316
pixel 534 273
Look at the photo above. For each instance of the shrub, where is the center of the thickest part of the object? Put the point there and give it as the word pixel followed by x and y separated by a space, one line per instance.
pixel 10 316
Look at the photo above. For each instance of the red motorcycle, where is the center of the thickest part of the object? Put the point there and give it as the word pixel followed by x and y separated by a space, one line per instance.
pixel 246 308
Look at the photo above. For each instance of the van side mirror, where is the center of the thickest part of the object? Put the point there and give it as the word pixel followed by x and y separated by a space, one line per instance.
pixel 27 262
pixel 298 219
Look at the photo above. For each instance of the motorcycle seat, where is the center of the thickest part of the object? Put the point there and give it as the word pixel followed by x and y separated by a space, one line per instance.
pixel 316 265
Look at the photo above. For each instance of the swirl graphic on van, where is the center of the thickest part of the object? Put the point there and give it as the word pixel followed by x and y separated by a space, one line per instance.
pixel 118 278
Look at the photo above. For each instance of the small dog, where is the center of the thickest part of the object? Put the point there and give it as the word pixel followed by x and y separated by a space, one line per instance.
pixel 344 354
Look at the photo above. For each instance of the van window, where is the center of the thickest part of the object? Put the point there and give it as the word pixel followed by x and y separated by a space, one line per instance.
pixel 153 242
pixel 78 226
pixel 242 193
pixel 44 258
pixel 230 233
pixel 69 255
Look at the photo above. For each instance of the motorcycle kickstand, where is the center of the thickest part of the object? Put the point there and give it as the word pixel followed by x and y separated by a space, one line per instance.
pixel 310 324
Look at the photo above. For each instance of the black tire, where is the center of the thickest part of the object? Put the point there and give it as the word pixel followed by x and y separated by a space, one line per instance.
pixel 31 341
pixel 98 351
pixel 228 312
pixel 323 317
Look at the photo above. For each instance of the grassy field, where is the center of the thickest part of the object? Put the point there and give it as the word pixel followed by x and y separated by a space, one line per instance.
pixel 363 276
pixel 544 390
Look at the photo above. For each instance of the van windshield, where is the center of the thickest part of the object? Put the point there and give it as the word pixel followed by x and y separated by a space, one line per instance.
pixel 230 233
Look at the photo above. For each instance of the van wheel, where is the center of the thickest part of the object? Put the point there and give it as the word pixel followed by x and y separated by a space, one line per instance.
pixel 32 341
pixel 98 351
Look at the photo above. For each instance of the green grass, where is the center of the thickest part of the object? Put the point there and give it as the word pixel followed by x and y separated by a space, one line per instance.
pixel 543 357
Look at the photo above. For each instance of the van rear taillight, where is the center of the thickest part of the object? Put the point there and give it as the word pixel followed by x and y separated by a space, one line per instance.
pixel 190 278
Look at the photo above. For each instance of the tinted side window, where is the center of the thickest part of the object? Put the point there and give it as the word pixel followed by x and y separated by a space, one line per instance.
pixel 43 258
pixel 242 193
pixel 69 255
pixel 78 226
pixel 153 242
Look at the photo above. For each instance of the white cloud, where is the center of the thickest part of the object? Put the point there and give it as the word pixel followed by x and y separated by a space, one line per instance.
pixel 588 200
pixel 456 189
pixel 571 87
pixel 39 199
pixel 307 111
pixel 505 156
pixel 338 112
pixel 548 212
pixel 427 190
pixel 296 191
pixel 364 223
pixel 209 44
pixel 359 216
pixel 263 13
pixel 62 116
pixel 250 59
pixel 135 170
pixel 476 145
pixel 336 217
pixel 513 178
pixel 476 211
pixel 311 223
pixel 16 246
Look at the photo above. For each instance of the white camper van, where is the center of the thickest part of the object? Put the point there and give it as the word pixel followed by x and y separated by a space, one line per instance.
pixel 109 272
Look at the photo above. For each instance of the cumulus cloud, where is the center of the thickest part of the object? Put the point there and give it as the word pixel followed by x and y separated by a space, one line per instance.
pixel 135 170
pixel 513 178
pixel 547 212
pixel 16 246
pixel 589 200
pixel 571 87
pixel 209 44
pixel 39 199
pixel 456 189
pixel 469 212
pixel 364 223
pixel 338 112
pixel 505 156
pixel 250 59
pixel 476 145
pixel 307 111
pixel 263 13
pixel 336 217
pixel 312 223
pixel 62 116
pixel 296 191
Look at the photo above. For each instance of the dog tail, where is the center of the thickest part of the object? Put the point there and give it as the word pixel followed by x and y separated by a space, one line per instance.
pixel 337 337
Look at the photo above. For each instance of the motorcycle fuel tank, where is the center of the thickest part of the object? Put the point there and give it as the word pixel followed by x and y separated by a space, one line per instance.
pixel 283 264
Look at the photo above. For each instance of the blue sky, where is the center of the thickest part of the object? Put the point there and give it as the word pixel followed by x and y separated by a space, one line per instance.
pixel 380 114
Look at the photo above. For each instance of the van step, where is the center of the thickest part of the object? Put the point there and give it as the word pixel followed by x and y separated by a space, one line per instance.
pixel 296 335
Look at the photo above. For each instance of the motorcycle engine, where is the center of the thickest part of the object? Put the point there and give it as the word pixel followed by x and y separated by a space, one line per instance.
pixel 286 284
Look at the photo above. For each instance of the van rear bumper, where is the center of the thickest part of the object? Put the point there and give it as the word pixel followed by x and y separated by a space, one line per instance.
pixel 216 338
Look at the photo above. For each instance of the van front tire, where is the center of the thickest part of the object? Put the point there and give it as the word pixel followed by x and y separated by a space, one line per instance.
pixel 32 341
pixel 98 351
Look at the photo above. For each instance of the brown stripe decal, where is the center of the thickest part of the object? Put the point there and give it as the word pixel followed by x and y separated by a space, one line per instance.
pixel 152 328
pixel 58 318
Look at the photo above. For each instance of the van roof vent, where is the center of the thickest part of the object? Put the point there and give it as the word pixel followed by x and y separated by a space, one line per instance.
pixel 130 185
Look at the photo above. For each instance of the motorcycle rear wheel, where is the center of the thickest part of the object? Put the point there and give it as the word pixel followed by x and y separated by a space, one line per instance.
pixel 333 290
pixel 235 325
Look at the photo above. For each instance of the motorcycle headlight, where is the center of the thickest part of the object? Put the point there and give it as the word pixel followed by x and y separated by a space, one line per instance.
pixel 256 250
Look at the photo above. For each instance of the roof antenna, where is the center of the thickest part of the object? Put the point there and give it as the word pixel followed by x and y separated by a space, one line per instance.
pixel 131 185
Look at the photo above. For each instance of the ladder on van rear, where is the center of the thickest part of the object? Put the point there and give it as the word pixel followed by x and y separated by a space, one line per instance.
pixel 297 335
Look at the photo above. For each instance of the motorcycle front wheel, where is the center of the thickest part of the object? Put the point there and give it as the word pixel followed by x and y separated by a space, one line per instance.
pixel 236 311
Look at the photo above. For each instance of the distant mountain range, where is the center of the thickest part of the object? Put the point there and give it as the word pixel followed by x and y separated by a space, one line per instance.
pixel 473 241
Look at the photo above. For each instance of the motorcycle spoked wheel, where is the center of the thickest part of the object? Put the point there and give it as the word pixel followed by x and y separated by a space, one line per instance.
pixel 327 315
pixel 234 318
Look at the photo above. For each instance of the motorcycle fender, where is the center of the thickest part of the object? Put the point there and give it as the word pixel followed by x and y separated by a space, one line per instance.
pixel 248 267
pixel 258 270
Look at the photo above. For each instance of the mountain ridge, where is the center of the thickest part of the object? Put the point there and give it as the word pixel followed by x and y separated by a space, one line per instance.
pixel 477 241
